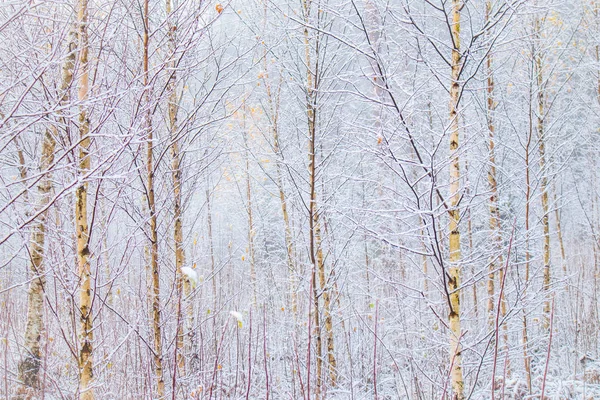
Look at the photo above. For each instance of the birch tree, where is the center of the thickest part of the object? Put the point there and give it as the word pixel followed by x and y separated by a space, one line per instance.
pixel 154 290
pixel 287 199
pixel 454 237
pixel 30 364
pixel 86 335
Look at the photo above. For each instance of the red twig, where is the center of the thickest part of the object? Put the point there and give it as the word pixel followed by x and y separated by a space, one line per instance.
pixel 310 300
pixel 548 353
pixel 249 354
pixel 265 351
pixel 375 350
pixel 177 333
pixel 297 367
pixel 216 366
pixel 504 374
pixel 497 323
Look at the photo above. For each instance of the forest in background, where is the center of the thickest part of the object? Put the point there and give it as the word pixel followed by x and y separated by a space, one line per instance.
pixel 299 199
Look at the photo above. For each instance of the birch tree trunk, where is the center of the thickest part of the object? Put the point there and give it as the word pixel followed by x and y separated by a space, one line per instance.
pixel 273 102
pixel 183 285
pixel 289 244
pixel 526 358
pixel 213 271
pixel 86 334
pixel 559 233
pixel 153 250
pixel 493 206
pixel 251 252
pixel 316 248
pixel 30 364
pixel 496 259
pixel 326 291
pixel 312 208
pixel 539 74
pixel 313 253
pixel 456 375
